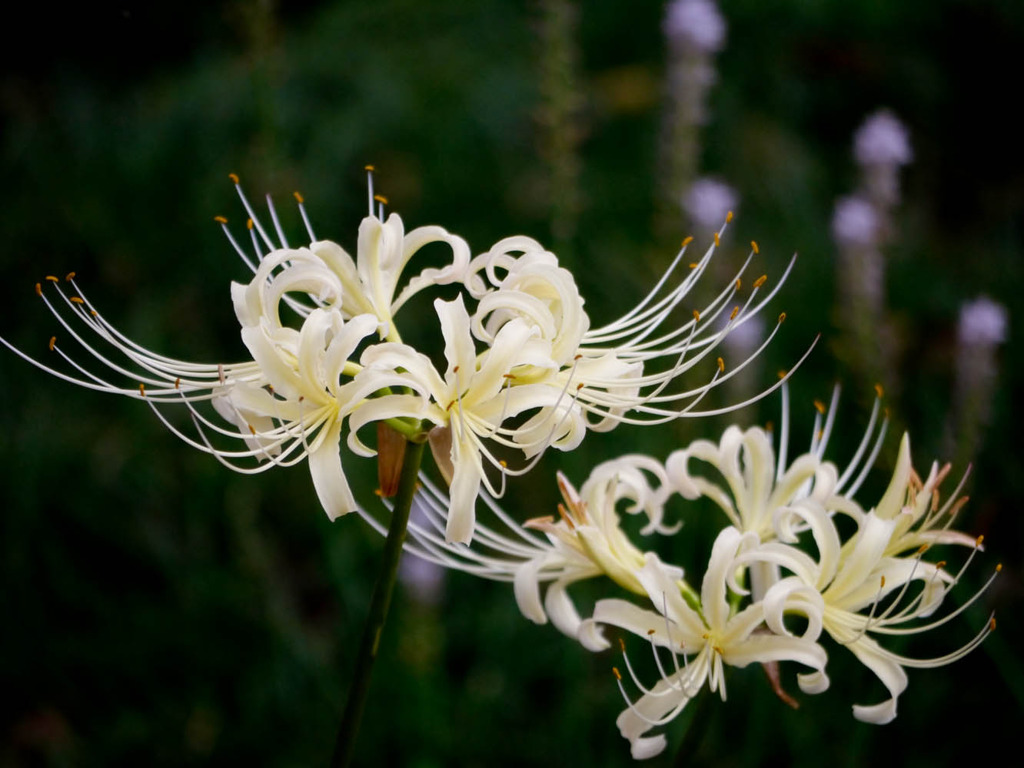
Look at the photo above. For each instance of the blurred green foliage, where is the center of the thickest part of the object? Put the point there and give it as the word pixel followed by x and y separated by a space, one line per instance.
pixel 160 610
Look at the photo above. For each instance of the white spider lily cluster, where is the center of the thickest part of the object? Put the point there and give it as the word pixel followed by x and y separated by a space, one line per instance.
pixel 797 543
pixel 524 369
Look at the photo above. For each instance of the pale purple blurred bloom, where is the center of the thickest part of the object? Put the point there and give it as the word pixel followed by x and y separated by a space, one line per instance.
pixel 982 323
pixel 695 24
pixel 854 222
pixel 882 140
pixel 708 201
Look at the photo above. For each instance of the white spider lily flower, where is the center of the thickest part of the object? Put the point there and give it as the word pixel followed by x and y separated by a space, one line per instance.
pixel 585 541
pixel 367 284
pixel 707 636
pixel 757 484
pixel 878 583
pixel 472 402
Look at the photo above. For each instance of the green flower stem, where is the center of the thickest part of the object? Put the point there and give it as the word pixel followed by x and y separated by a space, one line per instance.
pixel 368 646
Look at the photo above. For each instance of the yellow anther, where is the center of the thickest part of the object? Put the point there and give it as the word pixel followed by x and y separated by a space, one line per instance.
pixel 739 283
pixel 696 315
pixel 615 671
pixel 381 199
pixel 721 365
pixel 578 357
pixel 761 281
pixel 94 313
pixel 753 244
pixel 979 540
pixel 728 217
pixel 819 434
pixel 734 313
pixel 782 318
pixel 651 632
pixel 502 463
pixel 882 585
pixel 77 300
pixel 252 429
pixel 177 383
pixel 369 168
pixel 69 276
pixel 782 373
pixel 53 342
pixel 39 289
pixel 820 406
pixel 580 386
pixel 378 492
pixel 885 412
pixel 220 219
pixel 298 197
pixel 940 564
pixel 508 376
pixel 693 265
pixel 879 391
pixel 52 279
pixel 142 389
pixel 248 224
pixel 687 240
pixel 999 567
pixel 992 624
pixel 233 177
pixel 718 240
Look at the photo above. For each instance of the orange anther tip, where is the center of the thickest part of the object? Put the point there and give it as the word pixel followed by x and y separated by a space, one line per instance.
pixel 782 317
pixel 879 391
pixel 882 582
pixel 739 283
pixel 753 244
pixel 999 567
pixel 52 279
pixel 651 632
pixel 728 217
pixel 381 199
pixel 94 313
pixel 378 492
pixel 696 315
pixel 39 288
pixel 369 168
pixel 687 240
pixel 298 197
pixel 578 357
pixel 781 374
pixel 979 540
pixel 220 219
pixel 142 389
pixel 580 386
pixel 77 300
pixel 622 644
pixel 693 265
pixel 718 240
pixel 53 342
pixel 233 177
pixel 734 313
pixel 249 224
pixel 177 383
pixel 761 281
pixel 992 624
pixel 502 463
pixel 69 276
pixel 721 365
pixel 820 406
pixel 615 671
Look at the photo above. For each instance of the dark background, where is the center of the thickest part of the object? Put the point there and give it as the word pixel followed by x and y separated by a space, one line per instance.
pixel 160 610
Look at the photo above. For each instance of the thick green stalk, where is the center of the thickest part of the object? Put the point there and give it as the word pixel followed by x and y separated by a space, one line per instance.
pixel 368 646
